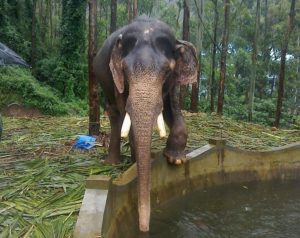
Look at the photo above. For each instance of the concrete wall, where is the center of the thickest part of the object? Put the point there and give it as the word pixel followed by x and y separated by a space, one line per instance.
pixel 210 165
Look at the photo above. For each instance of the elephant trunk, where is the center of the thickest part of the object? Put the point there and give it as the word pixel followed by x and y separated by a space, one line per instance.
pixel 142 132
pixel 143 107
pixel 144 182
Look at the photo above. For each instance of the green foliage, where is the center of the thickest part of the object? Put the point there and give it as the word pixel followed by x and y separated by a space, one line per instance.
pixel 264 111
pixel 168 15
pixel 1 126
pixel 70 72
pixel 60 59
pixel 45 72
pixel 121 16
pixel 235 107
pixel 17 85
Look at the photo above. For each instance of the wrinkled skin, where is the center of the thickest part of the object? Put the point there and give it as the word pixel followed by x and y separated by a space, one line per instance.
pixel 139 68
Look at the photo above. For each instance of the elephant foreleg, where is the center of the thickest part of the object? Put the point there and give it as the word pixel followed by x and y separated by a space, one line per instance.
pixel 176 143
pixel 115 119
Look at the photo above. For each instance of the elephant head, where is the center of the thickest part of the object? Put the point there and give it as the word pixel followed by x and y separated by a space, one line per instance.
pixel 146 62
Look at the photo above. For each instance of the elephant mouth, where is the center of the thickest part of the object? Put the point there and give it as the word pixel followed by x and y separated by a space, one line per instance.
pixel 127 124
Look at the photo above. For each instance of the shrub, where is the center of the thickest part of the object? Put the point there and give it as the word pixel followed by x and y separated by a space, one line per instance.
pixel 17 85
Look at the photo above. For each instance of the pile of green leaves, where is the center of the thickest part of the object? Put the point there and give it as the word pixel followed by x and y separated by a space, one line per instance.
pixel 42 176
pixel 42 197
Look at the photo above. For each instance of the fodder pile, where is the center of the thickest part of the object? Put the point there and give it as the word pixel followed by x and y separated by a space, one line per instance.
pixel 42 176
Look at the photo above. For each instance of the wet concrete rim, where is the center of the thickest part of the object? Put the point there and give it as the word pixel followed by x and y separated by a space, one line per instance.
pixel 109 206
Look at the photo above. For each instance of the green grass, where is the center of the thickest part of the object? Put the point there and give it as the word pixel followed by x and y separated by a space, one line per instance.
pixel 42 178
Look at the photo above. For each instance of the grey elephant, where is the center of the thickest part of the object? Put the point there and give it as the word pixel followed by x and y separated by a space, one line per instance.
pixel 139 69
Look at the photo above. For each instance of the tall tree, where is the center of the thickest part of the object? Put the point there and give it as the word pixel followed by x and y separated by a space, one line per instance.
pixel 284 49
pixel 129 10
pixel 94 107
pixel 50 15
pixel 297 93
pixel 33 35
pixel 225 36
pixel 185 36
pixel 254 59
pixel 213 61
pixel 113 15
pixel 135 8
pixel 199 37
pixel 266 41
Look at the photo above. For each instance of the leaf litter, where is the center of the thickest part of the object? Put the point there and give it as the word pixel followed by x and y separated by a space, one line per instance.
pixel 42 178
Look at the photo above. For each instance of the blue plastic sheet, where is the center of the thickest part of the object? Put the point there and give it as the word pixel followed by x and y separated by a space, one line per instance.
pixel 84 142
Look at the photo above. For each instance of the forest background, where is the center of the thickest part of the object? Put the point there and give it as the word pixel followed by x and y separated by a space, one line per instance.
pixel 249 53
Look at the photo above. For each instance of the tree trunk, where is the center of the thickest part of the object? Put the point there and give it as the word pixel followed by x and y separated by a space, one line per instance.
pixel 196 86
pixel 284 49
pixel 266 41
pixel 33 35
pixel 113 16
pixel 43 21
pixel 254 59
pixel 297 93
pixel 94 107
pixel 129 10
pixel 49 3
pixel 214 51
pixel 225 37
pixel 185 36
pixel 135 8
pixel 107 28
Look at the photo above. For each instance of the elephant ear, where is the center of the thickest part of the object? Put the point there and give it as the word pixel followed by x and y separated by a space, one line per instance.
pixel 186 63
pixel 115 65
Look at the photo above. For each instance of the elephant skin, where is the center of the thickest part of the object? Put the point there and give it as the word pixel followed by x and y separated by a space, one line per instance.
pixel 139 68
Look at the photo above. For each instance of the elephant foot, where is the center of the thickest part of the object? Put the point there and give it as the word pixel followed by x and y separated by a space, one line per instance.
pixel 175 157
pixel 112 160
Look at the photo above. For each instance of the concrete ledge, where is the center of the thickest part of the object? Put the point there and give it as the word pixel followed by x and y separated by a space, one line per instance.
pixel 98 182
pixel 210 165
pixel 89 223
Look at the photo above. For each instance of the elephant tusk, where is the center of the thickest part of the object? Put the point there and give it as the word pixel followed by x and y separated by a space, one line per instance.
pixel 161 126
pixel 126 126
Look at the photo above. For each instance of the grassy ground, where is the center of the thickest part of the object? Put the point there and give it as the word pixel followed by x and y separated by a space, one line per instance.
pixel 42 176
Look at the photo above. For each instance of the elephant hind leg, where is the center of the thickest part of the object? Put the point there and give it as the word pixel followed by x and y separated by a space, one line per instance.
pixel 114 156
pixel 176 143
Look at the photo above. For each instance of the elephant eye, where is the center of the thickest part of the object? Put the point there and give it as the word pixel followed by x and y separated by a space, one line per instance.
pixel 128 45
pixel 164 46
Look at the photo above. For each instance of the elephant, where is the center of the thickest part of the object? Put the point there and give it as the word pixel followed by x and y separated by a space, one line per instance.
pixel 139 68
